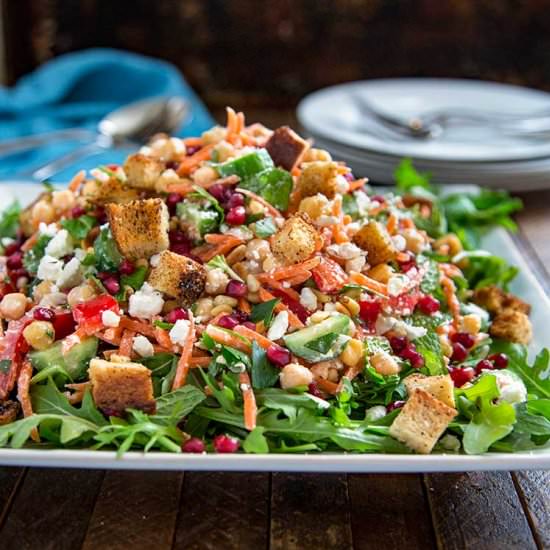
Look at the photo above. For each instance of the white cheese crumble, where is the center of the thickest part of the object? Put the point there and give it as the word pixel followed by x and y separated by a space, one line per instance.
pixel 326 220
pixel 146 302
pixel 342 184
pixel 241 232
pixel 47 229
pixel 142 346
pixel 110 318
pixel 511 388
pixel 346 251
pixel 363 202
pixel 308 299
pixel 71 275
pixel 385 323
pixel 399 242
pixel 279 326
pixel 60 245
pixel 155 260
pixel 178 333
pixel 397 284
pixel 375 413
pixel 100 175
pixel 356 264
pixel 49 268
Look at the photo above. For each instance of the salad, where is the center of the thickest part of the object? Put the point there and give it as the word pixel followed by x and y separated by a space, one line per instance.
pixel 244 292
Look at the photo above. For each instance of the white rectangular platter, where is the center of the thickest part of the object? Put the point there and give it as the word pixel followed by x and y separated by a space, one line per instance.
pixel 526 285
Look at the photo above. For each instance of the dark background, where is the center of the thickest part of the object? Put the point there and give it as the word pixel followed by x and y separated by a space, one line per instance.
pixel 266 55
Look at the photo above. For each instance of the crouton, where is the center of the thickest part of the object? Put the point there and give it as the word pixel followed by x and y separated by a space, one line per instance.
pixel 318 177
pixel 422 421
pixel 112 190
pixel 8 412
pixel 120 386
pixel 296 241
pixel 142 171
pixel 441 386
pixel 374 238
pixel 140 228
pixel 286 147
pixel 179 277
pixel 495 300
pixel 513 326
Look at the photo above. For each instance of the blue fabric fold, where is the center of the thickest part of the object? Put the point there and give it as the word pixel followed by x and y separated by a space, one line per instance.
pixel 77 90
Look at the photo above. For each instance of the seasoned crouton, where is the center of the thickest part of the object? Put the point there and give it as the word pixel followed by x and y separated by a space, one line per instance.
pixel 374 238
pixel 142 171
pixel 140 228
pixel 318 177
pixel 513 326
pixel 422 421
pixel 441 387
pixel 8 412
pixel 120 386
pixel 112 190
pixel 296 241
pixel 495 300
pixel 286 147
pixel 179 277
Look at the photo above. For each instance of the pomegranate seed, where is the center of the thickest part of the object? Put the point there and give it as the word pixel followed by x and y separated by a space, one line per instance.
pixel 278 355
pixel 461 376
pixel 11 248
pixel 227 321
pixel 15 261
pixel 236 216
pixel 172 165
pixel 484 364
pixel 349 176
pixel 44 314
pixel 176 315
pixel 192 149
pixel 467 340
pixel 459 352
pixel 78 211
pixel 415 359
pixel 369 311
pixel 250 325
pixel 111 284
pixel 219 192
pixel 240 316
pixel 177 236
pixel 193 445
pixel 236 289
pixel 226 444
pixel 102 275
pixel 172 201
pixel 378 198
pixel 395 405
pixel 313 389
pixel 398 343
pixel 428 305
pixel 236 199
pixel 183 249
pixel 500 360
pixel 126 267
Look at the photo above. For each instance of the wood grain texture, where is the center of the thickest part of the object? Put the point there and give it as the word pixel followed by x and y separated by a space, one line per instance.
pixel 534 491
pixel 223 510
pixel 389 511
pixel 51 509
pixel 310 511
pixel 135 510
pixel 10 480
pixel 477 510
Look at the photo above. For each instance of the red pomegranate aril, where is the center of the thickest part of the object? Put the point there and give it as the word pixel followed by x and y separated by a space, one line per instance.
pixel 183 249
pixel 236 216
pixel 172 201
pixel 15 261
pixel 467 340
pixel 484 364
pixel 112 285
pixel 314 390
pixel 459 352
pixel 395 405
pixel 241 316
pixel 227 321
pixel 11 249
pixel 193 445
pixel 500 360
pixel 428 305
pixel 43 314
pixel 126 267
pixel 225 444
pixel 63 324
pixel 415 359
pixel 176 315
pixel 78 211
pixel 249 324
pixel 369 311
pixel 102 275
pixel 191 150
pixel 378 198
pixel 177 236
pixel 278 355
pixel 218 191
pixel 461 376
pixel 236 289
pixel 398 343
pixel 236 199
pixel 172 165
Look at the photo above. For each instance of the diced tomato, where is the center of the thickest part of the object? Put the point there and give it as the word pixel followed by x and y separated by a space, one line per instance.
pixel 63 324
pixel 329 276
pixel 88 314
pixel 296 307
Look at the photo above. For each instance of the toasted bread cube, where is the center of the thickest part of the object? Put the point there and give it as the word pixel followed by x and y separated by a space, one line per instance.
pixel 374 238
pixel 8 412
pixel 318 177
pixel 495 300
pixel 513 326
pixel 441 386
pixel 296 241
pixel 140 228
pixel 113 190
pixel 179 277
pixel 142 171
pixel 120 386
pixel 286 147
pixel 422 421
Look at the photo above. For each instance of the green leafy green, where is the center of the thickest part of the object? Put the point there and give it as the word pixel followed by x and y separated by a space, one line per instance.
pixel 274 186
pixel 163 369
pixel 484 269
pixel 32 257
pixel 407 177
pixel 265 228
pixel 256 441
pixel 107 256
pixel 264 374
pixel 132 281
pixel 5 365
pixel 264 312
pixel 247 166
pixel 174 406
pixel 324 343
pixel 79 228
pixel 429 347
pixel 9 220
pixel 221 263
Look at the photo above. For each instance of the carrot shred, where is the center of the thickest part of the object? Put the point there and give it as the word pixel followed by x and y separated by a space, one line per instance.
pixel 195 362
pixel 289 271
pixel 369 283
pixel 181 188
pixel 290 292
pixel 30 242
pixel 253 335
pixel 347 219
pixel 222 244
pixel 240 122
pixel 126 343
pixel 449 290
pixel 231 121
pixel 339 235
pixel 244 305
pixel 408 223
pixel 249 401
pixel 299 278
pixel 402 257
pixel 293 320
pixel 392 224
pixel 226 338
pixel 182 370
pixel 78 178
pixel 270 208
pixel 193 142
pixel 137 326
pixel 23 386
pixel 327 386
pixel 357 184
pixel 189 163
pixel 163 338
pixel 337 206
pixel 72 340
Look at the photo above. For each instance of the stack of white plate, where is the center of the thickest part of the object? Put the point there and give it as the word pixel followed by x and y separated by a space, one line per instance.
pixel 462 153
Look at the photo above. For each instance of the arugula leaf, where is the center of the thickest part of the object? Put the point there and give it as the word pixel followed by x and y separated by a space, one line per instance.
pixel 235 359
pixel 484 269
pixel 107 256
pixel 79 228
pixel 256 442
pixel 174 406
pixel 350 206
pixel 221 263
pixel 264 374
pixel 134 281
pixel 273 185
pixel 407 177
pixel 163 369
pixel 264 312
pixel 429 347
pixel 9 220
pixel 374 344
pixel 32 257
pixel 265 228
pixel 324 343
pixel 163 324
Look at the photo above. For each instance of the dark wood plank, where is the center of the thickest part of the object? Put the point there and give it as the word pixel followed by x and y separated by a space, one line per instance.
pixel 135 510
pixel 310 511
pixel 477 510
pixel 534 222
pixel 534 491
pixel 10 480
pixel 223 510
pixel 51 509
pixel 389 511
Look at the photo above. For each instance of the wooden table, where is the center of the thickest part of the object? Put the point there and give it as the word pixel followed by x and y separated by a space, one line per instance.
pixel 62 508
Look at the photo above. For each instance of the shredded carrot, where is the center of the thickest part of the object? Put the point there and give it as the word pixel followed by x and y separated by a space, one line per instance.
pixel 407 223
pixel 197 362
pixel 327 386
pixel 357 184
pixel 244 305
pixel 23 386
pixel 78 178
pixel 137 326
pixel 337 206
pixel 402 257
pixel 392 224
pixel 339 235
pixel 289 271
pixel 126 343
pixel 347 219
pixel 290 292
pixel 296 172
pixel 299 278
pixel 193 142
pixel 253 335
pixel 249 401
pixel 240 122
pixel 449 289
pixel 189 163
pixel 369 283
pixel 222 245
pixel 182 188
pixel 293 320
pixel 232 121
pixel 270 208
pixel 30 242
pixel 450 270
pixel 163 338
pixel 226 338
pixel 182 370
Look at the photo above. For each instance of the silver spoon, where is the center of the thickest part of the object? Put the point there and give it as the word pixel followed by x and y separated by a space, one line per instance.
pixel 132 124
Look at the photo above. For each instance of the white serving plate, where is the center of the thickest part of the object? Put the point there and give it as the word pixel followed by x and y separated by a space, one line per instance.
pixel 526 285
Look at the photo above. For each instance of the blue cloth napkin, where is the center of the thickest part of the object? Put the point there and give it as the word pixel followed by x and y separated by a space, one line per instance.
pixel 77 90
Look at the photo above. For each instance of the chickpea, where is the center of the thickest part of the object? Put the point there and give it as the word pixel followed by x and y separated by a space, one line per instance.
pixel 353 353
pixel 350 304
pixel 225 151
pixel 257 249
pixel 79 294
pixel 42 211
pixel 63 200
pixel 237 254
pixel 204 308
pixel 216 281
pixel 256 207
pixel 13 306
pixel 205 175
pixel 214 135
pixel 269 263
pixel 167 178
pixel 39 334
pixel 314 206
pixel 295 375
pixel 384 363
pixel 414 239
pixel 471 323
pixel 449 244
pixel 252 283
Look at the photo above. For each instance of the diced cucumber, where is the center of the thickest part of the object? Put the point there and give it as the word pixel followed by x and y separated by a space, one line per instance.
pixel 75 362
pixel 322 341
pixel 247 165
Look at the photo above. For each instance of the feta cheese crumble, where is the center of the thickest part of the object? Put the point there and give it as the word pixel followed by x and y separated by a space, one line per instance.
pixel 346 251
pixel 110 318
pixel 49 268
pixel 511 388
pixel 308 299
pixel 146 302
pixel 178 333
pixel 71 275
pixel 397 284
pixel 61 245
pixel 279 326
pixel 142 346
pixel 47 229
